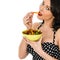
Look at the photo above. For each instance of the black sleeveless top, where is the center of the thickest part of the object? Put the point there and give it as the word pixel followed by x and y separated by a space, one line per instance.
pixel 48 47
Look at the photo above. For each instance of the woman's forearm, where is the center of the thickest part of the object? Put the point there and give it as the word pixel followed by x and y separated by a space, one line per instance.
pixel 22 49
pixel 45 55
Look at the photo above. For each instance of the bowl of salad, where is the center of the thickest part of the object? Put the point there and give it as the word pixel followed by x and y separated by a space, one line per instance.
pixel 32 35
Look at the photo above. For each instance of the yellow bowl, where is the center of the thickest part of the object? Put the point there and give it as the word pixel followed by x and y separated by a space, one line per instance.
pixel 32 37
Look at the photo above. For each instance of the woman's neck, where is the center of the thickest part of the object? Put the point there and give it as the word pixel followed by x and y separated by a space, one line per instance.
pixel 48 23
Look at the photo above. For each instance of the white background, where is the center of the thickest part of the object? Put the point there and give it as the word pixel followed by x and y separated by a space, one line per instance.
pixel 11 26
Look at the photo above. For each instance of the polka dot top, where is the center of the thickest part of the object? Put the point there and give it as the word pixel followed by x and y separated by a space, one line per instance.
pixel 48 47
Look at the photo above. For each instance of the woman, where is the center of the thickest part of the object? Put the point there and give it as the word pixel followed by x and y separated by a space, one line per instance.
pixel 48 47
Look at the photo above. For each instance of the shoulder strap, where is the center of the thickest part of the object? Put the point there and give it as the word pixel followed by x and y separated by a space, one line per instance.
pixel 40 25
pixel 54 36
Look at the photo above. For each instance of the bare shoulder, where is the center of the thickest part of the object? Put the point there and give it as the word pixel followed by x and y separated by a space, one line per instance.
pixel 36 25
pixel 58 36
pixel 58 33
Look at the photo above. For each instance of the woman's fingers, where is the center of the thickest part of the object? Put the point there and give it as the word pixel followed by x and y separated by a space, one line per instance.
pixel 40 40
pixel 29 15
pixel 28 19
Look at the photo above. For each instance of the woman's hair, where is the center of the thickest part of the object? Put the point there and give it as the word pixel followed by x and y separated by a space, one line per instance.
pixel 55 9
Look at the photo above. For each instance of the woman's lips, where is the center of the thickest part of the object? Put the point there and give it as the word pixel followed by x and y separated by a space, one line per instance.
pixel 39 13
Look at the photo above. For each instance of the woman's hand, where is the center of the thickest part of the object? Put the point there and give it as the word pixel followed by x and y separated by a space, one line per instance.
pixel 27 20
pixel 35 45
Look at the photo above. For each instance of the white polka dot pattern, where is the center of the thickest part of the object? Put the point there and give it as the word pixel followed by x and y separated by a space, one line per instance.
pixel 49 48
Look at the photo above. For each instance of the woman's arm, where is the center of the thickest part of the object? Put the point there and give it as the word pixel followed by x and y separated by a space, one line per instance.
pixel 45 55
pixel 22 49
pixel 36 25
pixel 23 46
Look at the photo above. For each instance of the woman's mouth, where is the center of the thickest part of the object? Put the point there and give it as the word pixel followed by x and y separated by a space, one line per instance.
pixel 39 13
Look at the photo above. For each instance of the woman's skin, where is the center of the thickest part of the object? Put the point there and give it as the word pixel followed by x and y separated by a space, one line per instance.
pixel 46 29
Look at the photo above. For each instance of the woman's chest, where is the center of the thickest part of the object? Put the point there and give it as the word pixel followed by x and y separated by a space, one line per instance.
pixel 47 35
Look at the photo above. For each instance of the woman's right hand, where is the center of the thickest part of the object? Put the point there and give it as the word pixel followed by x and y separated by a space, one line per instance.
pixel 27 20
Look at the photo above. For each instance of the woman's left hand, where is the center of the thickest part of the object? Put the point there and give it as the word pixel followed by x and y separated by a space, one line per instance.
pixel 35 45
